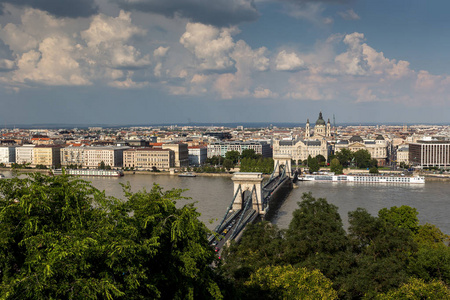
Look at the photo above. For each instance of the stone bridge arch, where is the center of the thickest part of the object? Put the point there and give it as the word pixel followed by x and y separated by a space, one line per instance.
pixel 248 182
pixel 282 160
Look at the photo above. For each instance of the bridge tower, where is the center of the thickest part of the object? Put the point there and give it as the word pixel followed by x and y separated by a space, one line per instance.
pixel 282 160
pixel 248 182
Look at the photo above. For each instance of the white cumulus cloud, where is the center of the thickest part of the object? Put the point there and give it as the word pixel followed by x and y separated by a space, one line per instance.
pixel 288 61
pixel 349 15
pixel 210 45
pixel 61 51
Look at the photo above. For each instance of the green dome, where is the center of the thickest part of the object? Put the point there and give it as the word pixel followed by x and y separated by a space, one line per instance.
pixel 320 120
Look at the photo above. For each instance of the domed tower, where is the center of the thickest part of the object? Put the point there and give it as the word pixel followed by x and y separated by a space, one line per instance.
pixel 307 134
pixel 320 128
pixel 328 128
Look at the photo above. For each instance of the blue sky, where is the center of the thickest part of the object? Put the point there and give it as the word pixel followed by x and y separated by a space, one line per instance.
pixel 179 61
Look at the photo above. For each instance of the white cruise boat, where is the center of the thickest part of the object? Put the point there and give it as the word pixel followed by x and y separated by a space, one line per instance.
pixel 364 178
pixel 90 172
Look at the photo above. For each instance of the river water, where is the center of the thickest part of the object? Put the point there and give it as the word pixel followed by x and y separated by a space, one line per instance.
pixel 212 196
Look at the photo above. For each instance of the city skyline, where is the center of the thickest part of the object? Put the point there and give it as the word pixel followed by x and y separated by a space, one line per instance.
pixel 240 61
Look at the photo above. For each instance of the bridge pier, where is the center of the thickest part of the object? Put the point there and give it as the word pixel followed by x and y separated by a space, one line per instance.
pixel 282 160
pixel 248 182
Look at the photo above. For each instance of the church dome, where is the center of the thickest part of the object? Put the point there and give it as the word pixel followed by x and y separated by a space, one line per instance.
pixel 356 139
pixel 320 120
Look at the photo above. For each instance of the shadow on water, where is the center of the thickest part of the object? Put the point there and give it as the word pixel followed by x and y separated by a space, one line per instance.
pixel 276 201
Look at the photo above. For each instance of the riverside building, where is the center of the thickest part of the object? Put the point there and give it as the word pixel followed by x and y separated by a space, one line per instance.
pixel 24 154
pixel 149 158
pixel 197 155
pixel 92 156
pixel 378 148
pixel 7 155
pixel 221 148
pixel 48 156
pixel 430 153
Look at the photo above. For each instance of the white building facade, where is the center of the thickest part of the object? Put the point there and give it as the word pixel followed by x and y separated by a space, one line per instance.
pixel 221 148
pixel 7 154
pixel 92 157
pixel 24 154
pixel 299 150
pixel 430 154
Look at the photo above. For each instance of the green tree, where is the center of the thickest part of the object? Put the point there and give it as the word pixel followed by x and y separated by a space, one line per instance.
pixel 102 165
pixel 249 153
pixel 431 263
pixel 287 282
pixel 215 160
pixel 345 156
pixel 373 170
pixel 316 237
pixel 61 238
pixel 403 217
pixel 228 164
pixel 417 289
pixel 335 166
pixel 382 254
pixel 261 245
pixel 263 165
pixel 321 160
pixel 430 235
pixel 233 156
pixel 362 158
pixel 313 164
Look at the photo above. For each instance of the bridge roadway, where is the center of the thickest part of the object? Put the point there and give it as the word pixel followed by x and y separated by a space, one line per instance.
pixel 235 221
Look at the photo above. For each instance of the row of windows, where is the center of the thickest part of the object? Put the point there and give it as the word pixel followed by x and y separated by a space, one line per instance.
pixel 388 179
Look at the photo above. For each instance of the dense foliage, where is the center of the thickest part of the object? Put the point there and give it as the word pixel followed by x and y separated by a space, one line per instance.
pixel 378 257
pixel 336 167
pixel 60 238
pixel 361 159
pixel 313 164
pixel 262 165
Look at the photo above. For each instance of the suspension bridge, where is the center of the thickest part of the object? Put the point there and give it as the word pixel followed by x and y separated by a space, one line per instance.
pixel 253 200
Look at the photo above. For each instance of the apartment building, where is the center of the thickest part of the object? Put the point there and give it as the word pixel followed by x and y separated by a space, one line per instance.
pixel 48 156
pixel 92 157
pixel 24 154
pixel 181 154
pixel 402 154
pixel 73 155
pixel 7 154
pixel 149 158
pixel 221 148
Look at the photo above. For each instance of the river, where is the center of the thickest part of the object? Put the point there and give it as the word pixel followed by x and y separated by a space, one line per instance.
pixel 212 195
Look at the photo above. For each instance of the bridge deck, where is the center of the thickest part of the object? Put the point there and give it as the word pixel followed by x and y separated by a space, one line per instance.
pixel 235 221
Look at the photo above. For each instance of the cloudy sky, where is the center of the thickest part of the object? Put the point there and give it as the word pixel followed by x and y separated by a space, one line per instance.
pixel 180 61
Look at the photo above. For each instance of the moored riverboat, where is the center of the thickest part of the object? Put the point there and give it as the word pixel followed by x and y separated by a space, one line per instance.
pixel 89 172
pixel 364 178
pixel 187 174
